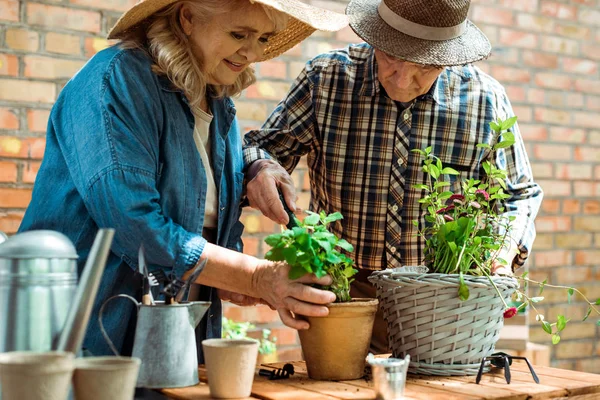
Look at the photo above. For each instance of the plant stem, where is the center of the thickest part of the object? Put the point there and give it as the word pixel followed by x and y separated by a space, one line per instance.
pixel 494 285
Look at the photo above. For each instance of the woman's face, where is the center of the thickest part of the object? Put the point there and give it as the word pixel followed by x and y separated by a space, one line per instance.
pixel 228 43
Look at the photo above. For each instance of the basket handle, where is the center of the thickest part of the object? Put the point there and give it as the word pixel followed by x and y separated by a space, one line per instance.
pixel 104 333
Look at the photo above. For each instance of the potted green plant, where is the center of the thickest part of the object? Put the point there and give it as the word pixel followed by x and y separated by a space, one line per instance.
pixel 448 316
pixel 335 346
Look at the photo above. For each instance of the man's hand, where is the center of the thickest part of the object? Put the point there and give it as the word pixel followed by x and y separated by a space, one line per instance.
pixel 264 178
pixel 287 296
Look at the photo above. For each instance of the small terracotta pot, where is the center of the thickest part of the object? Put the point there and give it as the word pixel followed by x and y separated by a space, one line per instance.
pixel 230 366
pixel 335 347
pixel 98 378
pixel 35 376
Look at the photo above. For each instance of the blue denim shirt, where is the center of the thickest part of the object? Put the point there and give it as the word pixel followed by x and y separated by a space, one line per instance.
pixel 120 154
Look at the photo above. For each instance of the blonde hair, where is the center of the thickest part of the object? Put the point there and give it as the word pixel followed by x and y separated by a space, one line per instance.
pixel 168 45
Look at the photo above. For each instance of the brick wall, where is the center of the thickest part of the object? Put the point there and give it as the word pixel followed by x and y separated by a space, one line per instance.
pixel 546 53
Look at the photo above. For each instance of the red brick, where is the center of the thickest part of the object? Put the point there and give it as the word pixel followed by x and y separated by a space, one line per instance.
pixel 111 5
pixel 508 74
pixel 251 245
pixel 571 206
pixel 586 189
pixel 586 224
pixel 558 10
pixel 533 132
pixel 587 257
pixel 295 51
pixel 590 51
pixel 492 15
pixel 593 102
pixel 551 152
pixel 285 336
pixel 555 187
pixel 515 93
pixel 553 81
pixel 573 31
pixel 540 60
pixel 20 90
pixel 551 116
pixel 574 100
pixel 591 154
pixel 587 86
pixel 585 119
pixel 569 275
pixel 551 206
pixel 555 44
pixel 579 66
pixel 520 5
pixel 542 170
pixel 525 113
pixel 536 96
pixel 14 198
pixel 567 135
pixel 574 171
pixel 9 65
pixel 8 171
pixel 8 119
pixel 589 16
pixel 597 171
pixel 9 10
pixel 37 120
pixel 514 38
pixel 552 258
pixel 94 45
pixel 257 314
pixel 61 43
pixel 347 35
pixel 289 354
pixel 63 17
pixel 591 207
pixel 22 39
pixel 22 148
pixel 553 224
pixel 51 68
pixel 10 221
pixel 30 170
pixel 533 22
pixel 273 69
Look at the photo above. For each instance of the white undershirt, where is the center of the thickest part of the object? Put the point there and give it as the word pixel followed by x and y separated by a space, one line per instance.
pixel 202 140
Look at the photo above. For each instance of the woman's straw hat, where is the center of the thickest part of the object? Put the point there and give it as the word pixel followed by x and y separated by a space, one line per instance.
pixel 432 32
pixel 304 20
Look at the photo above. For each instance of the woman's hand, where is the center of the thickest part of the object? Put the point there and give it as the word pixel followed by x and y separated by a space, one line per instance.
pixel 270 281
pixel 239 299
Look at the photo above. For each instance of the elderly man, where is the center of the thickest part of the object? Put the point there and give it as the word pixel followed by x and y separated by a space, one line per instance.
pixel 357 112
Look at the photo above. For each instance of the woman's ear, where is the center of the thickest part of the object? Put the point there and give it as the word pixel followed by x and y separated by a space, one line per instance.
pixel 185 19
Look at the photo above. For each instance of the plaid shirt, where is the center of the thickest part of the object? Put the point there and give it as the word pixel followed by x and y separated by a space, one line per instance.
pixel 358 144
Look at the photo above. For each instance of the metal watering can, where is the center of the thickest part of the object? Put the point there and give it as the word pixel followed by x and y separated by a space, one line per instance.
pixel 41 306
pixel 164 341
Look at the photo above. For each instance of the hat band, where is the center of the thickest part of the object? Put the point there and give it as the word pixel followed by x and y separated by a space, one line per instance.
pixel 417 30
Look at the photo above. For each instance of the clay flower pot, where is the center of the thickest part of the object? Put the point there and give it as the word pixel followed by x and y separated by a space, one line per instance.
pixel 335 347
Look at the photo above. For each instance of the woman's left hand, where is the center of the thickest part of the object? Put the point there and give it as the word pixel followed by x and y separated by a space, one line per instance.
pixel 239 299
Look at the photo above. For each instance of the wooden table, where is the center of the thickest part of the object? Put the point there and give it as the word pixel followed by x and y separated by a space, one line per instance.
pixel 554 384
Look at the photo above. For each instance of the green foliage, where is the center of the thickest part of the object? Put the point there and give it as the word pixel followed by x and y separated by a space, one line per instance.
pixel 465 231
pixel 311 249
pixel 239 330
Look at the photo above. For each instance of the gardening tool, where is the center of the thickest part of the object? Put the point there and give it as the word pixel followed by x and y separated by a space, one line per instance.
pixel 277 374
pixel 165 342
pixel 171 289
pixel 503 360
pixel 292 218
pixel 41 306
pixel 191 279
pixel 147 298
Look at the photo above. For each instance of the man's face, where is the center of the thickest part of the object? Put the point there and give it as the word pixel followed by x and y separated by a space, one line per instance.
pixel 402 80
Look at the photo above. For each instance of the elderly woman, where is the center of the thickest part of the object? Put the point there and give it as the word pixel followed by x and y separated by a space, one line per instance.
pixel 144 139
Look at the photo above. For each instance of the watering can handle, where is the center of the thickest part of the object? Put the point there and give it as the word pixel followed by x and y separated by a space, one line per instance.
pixel 106 337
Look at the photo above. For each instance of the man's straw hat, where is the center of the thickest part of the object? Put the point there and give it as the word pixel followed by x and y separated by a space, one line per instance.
pixel 432 32
pixel 304 20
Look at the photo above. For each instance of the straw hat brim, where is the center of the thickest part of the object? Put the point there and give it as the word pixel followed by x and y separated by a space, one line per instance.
pixel 304 20
pixel 365 21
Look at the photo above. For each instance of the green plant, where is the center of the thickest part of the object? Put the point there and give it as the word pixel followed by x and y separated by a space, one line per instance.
pixel 310 248
pixel 239 330
pixel 466 232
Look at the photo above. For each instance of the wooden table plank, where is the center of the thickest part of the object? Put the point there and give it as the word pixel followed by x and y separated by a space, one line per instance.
pixel 198 392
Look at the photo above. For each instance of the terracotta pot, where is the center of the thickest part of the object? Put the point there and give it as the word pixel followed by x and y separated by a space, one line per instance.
pixel 335 347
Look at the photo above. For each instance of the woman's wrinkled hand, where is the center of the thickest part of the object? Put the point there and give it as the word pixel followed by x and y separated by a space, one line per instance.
pixel 239 299
pixel 289 297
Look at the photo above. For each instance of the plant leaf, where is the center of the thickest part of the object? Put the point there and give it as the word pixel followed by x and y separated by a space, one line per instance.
pixel 561 322
pixel 312 219
pixel 547 327
pixel 450 171
pixel 570 293
pixel 598 302
pixel 345 245
pixel 536 299
pixel 542 285
pixel 587 314
pixel 463 289
pixel 555 338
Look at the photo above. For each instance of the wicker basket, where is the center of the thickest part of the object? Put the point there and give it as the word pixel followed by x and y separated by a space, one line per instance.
pixel 426 319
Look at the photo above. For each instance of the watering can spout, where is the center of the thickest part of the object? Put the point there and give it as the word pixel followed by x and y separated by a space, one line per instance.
pixel 197 311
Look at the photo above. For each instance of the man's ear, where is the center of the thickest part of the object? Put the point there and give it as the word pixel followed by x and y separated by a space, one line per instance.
pixel 185 19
